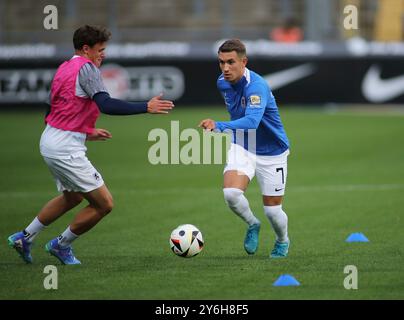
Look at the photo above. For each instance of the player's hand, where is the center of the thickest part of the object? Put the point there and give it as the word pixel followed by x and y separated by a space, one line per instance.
pixel 99 135
pixel 156 105
pixel 207 124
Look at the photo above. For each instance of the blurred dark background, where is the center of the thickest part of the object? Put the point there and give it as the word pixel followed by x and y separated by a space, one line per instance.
pixel 310 51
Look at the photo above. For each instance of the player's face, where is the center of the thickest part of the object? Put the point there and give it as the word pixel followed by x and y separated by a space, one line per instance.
pixel 232 66
pixel 96 53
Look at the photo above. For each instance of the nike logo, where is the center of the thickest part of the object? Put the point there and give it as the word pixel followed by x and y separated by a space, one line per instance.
pixel 376 89
pixel 280 79
pixel 276 189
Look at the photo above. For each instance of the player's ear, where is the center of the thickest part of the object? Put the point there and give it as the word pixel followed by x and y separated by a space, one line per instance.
pixel 85 48
pixel 245 60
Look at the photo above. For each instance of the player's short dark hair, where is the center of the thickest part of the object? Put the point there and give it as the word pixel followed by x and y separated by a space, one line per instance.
pixel 90 35
pixel 233 45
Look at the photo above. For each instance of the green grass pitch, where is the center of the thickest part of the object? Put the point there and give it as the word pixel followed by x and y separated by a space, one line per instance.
pixel 345 175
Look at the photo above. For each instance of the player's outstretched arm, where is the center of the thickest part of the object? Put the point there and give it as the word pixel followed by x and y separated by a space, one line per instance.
pixel 156 105
pixel 113 106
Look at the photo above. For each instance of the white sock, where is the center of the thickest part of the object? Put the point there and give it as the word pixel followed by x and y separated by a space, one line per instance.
pixel 237 202
pixel 33 230
pixel 279 221
pixel 66 238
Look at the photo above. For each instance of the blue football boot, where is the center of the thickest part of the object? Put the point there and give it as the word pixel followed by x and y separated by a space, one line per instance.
pixel 280 249
pixel 21 245
pixel 65 255
pixel 251 238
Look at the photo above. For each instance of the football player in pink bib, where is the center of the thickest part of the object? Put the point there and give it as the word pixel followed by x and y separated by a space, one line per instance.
pixel 78 95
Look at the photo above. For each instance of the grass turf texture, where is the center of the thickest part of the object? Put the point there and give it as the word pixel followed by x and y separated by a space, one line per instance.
pixel 345 175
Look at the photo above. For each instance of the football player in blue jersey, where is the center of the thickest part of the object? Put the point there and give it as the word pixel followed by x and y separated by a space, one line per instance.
pixel 259 146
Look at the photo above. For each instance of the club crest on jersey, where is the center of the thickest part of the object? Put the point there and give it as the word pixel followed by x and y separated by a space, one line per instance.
pixel 243 104
pixel 254 100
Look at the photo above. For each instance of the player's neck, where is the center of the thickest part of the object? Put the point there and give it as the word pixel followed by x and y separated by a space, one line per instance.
pixel 81 54
pixel 238 79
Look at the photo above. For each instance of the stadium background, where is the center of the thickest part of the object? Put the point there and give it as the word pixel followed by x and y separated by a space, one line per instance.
pixel 345 126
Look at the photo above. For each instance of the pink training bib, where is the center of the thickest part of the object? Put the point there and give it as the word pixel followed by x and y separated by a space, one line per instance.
pixel 68 111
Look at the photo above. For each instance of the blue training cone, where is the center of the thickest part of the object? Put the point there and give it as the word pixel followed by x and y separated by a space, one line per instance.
pixel 357 237
pixel 286 280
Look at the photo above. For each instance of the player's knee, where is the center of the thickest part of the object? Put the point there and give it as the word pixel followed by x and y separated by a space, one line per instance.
pixel 272 200
pixel 232 196
pixel 107 206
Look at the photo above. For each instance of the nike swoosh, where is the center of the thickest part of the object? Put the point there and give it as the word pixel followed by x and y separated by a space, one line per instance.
pixel 282 78
pixel 278 189
pixel 376 89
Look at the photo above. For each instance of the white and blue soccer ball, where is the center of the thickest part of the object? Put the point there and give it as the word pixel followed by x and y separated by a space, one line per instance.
pixel 186 241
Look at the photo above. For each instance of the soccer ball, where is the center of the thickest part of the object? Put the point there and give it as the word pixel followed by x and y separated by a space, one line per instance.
pixel 186 241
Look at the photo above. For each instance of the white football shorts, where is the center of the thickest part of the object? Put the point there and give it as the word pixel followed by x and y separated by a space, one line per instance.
pixel 271 171
pixel 74 174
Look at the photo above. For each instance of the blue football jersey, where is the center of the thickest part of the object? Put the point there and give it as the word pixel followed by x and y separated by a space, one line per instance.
pixel 253 109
